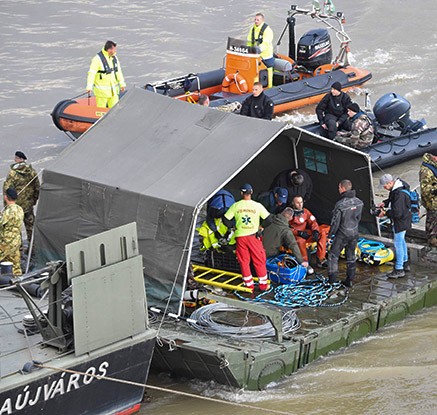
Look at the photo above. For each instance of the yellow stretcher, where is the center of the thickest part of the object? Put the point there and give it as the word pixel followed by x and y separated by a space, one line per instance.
pixel 219 278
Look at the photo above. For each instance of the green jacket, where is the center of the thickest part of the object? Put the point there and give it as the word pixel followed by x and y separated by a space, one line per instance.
pixel 278 234
pixel 10 228
pixel 428 184
pixel 24 179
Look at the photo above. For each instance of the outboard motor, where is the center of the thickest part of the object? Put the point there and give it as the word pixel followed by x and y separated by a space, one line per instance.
pixel 393 111
pixel 314 49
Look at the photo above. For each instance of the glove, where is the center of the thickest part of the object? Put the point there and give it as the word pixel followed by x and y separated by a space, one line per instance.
pixel 223 241
pixel 303 234
pixel 315 236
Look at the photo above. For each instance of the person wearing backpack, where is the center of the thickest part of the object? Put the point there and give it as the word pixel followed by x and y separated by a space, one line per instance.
pixel 428 191
pixel 213 232
pixel 397 207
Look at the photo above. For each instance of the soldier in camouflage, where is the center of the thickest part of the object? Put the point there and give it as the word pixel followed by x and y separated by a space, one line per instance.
pixel 361 133
pixel 11 220
pixel 428 193
pixel 23 178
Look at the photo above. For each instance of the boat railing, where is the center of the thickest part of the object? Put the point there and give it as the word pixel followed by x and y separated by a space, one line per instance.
pixel 181 82
pixel 342 58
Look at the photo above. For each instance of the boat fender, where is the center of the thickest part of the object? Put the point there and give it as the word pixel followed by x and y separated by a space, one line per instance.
pixel 281 65
pixel 239 81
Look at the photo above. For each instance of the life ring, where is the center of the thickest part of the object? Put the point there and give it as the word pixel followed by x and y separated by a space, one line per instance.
pixel 240 82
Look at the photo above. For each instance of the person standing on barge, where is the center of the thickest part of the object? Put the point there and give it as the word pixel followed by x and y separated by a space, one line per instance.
pixel 247 214
pixel 428 193
pixel 344 231
pixel 11 220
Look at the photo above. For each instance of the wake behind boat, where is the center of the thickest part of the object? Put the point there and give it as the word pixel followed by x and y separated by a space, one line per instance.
pixel 55 356
pixel 300 78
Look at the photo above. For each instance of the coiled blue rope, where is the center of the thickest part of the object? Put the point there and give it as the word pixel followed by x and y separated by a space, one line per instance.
pixel 307 293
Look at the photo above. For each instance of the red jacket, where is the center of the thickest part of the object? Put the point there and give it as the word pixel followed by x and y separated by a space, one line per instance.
pixel 303 221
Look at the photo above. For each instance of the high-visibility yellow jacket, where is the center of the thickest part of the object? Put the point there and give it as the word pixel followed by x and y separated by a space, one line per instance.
pixel 103 84
pixel 266 44
pixel 209 240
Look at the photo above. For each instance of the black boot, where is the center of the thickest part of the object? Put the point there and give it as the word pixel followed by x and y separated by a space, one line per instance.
pixel 347 282
pixel 332 278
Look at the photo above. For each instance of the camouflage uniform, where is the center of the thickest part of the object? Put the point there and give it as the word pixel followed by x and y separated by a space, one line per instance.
pixel 361 133
pixel 428 193
pixel 10 235
pixel 24 179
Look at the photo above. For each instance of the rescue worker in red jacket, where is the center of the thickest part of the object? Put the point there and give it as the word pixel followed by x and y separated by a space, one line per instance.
pixel 306 230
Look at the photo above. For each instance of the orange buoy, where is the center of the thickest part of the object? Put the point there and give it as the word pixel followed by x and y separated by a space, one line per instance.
pixel 239 81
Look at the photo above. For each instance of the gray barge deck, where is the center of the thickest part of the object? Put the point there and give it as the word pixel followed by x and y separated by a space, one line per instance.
pixel 373 302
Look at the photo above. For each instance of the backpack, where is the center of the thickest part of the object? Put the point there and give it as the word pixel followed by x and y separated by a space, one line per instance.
pixel 217 206
pixel 415 204
pixel 221 201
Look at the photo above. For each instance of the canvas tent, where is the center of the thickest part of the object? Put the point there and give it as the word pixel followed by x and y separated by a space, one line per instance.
pixel 156 161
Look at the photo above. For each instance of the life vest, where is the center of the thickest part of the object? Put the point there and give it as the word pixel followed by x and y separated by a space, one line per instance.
pixel 259 40
pixel 106 68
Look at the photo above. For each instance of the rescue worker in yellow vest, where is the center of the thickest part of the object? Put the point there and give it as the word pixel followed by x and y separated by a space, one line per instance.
pixel 226 243
pixel 105 77
pixel 261 36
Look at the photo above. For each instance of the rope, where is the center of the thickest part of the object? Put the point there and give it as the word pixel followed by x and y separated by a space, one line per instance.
pixel 236 83
pixel 81 95
pixel 184 250
pixel 158 388
pixel 33 281
pixel 202 320
pixel 230 107
pixel 311 293
pixel 306 84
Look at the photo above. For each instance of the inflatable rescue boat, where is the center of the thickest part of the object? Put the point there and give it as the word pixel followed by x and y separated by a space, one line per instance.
pixel 398 138
pixel 300 78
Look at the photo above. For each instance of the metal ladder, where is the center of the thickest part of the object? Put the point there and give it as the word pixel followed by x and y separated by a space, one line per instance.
pixel 220 278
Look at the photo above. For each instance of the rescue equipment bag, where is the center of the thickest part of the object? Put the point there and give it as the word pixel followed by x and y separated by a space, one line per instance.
pixel 373 252
pixel 284 269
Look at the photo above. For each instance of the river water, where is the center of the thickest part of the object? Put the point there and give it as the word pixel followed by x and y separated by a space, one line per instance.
pixel 46 49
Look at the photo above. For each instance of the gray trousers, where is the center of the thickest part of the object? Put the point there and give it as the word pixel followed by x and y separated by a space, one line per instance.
pixel 340 242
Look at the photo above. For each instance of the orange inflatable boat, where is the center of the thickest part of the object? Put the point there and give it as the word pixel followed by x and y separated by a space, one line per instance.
pixel 301 78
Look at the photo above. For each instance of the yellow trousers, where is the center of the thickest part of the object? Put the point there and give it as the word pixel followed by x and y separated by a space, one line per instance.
pixel 106 102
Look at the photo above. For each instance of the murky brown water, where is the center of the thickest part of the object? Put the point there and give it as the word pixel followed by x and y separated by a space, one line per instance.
pixel 46 48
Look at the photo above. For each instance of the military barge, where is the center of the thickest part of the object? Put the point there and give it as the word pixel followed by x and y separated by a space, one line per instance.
pixel 56 354
pixel 372 303
pixel 157 161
